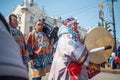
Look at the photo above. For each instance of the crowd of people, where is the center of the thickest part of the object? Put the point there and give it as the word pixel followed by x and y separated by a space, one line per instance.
pixel 114 61
pixel 17 51
pixel 62 54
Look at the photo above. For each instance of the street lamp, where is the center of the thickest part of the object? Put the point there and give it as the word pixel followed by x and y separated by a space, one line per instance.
pixel 114 29
pixel 101 16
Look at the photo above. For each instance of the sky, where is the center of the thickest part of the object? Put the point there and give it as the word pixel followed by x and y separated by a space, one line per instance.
pixel 86 11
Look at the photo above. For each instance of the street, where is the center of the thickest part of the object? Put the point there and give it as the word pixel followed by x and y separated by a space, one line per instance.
pixel 100 76
pixel 106 76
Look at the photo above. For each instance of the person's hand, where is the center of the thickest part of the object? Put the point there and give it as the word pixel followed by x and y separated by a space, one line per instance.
pixel 38 51
pixel 84 57
pixel 32 62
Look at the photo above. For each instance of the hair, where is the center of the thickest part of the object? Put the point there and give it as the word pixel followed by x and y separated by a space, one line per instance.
pixel 11 15
pixel 53 34
pixel 39 20
pixel 4 22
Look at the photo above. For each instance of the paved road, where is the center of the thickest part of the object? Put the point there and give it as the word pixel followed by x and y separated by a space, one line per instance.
pixel 100 76
pixel 106 76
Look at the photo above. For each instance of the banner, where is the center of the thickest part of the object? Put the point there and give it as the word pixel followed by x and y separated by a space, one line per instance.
pixel 93 69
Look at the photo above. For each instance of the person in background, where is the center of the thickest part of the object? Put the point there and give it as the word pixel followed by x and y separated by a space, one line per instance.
pixel 18 36
pixel 11 64
pixel 54 40
pixel 71 56
pixel 38 46
pixel 53 35
pixel 112 62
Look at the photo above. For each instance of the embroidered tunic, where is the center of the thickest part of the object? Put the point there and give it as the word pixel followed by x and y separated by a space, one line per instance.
pixel 39 50
pixel 68 49
pixel 20 41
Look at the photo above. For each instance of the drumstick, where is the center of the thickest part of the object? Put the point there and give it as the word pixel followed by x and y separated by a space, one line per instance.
pixel 100 48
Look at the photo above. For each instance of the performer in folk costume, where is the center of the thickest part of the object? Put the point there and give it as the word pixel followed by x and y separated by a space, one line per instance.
pixel 71 59
pixel 38 46
pixel 18 36
pixel 71 56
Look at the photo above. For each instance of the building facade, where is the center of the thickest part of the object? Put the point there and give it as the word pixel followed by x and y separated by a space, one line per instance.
pixel 28 13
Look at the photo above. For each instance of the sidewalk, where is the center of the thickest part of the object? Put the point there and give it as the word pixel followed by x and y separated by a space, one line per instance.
pixel 110 70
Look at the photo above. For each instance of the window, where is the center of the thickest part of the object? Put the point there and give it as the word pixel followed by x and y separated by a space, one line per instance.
pixel 19 19
pixel 30 28
pixel 31 19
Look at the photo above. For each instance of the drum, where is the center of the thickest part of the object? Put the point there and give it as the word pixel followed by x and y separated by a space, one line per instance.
pixel 99 37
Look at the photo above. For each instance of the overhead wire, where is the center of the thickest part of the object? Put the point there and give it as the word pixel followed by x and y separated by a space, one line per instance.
pixel 80 10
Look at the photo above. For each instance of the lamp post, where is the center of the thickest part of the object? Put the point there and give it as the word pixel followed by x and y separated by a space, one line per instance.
pixel 114 29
